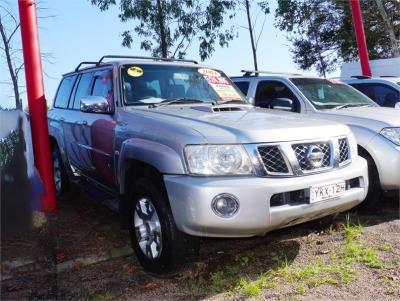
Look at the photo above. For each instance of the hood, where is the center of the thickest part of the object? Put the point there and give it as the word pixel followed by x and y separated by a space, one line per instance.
pixel 374 118
pixel 243 123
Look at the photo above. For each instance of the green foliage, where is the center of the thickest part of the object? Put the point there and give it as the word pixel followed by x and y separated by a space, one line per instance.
pixel 362 254
pixel 107 296
pixel 168 27
pixel 7 148
pixel 385 247
pixel 354 251
pixel 322 35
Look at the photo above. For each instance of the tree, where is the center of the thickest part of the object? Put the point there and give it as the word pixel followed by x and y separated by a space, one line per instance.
pixel 263 8
pixel 9 30
pixel 14 66
pixel 167 28
pixel 390 13
pixel 322 34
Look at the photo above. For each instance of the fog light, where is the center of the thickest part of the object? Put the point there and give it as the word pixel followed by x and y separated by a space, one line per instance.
pixel 225 205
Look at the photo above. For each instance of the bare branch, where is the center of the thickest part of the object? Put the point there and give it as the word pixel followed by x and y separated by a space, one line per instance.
pixel 12 33
pixel 261 30
pixel 17 70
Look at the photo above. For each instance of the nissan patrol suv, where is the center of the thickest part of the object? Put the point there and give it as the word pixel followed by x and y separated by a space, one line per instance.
pixel 176 148
pixel 376 129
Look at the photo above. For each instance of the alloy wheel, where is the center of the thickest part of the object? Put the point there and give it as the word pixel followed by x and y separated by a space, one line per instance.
pixel 148 228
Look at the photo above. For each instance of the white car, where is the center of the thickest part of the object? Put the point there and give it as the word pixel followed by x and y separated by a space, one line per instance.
pixel 377 129
pixel 385 91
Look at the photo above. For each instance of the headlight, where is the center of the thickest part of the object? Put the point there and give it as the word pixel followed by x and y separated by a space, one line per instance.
pixel 393 134
pixel 218 160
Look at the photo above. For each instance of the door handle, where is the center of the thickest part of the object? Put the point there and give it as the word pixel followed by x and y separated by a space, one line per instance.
pixel 84 122
pixel 62 119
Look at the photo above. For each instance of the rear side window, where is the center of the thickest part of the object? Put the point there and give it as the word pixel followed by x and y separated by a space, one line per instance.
pixel 243 86
pixel 267 91
pixel 83 89
pixel 64 92
pixel 382 94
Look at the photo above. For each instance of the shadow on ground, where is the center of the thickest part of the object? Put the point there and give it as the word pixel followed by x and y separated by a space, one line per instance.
pixel 84 227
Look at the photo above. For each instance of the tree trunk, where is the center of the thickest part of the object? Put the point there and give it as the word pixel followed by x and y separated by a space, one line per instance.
pixel 14 79
pixel 163 38
pixel 389 28
pixel 253 46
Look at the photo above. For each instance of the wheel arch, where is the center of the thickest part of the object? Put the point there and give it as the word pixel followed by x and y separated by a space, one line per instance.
pixel 147 156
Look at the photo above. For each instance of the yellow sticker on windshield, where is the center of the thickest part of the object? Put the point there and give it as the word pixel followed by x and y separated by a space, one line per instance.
pixel 135 71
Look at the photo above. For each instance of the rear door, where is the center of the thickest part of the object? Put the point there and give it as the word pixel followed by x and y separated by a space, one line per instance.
pixel 75 139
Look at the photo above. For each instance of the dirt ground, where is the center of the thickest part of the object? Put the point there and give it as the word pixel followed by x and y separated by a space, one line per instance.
pixel 351 257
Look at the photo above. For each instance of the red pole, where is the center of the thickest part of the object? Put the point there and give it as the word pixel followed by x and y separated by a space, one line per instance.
pixel 36 100
pixel 360 37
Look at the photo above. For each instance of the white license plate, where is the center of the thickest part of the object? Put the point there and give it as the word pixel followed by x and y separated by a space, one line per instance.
pixel 320 193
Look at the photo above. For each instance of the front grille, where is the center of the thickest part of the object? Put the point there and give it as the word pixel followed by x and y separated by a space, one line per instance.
pixel 301 152
pixel 344 151
pixel 272 159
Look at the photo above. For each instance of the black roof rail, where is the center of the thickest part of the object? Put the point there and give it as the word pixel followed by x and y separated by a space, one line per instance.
pixel 84 63
pixel 360 76
pixel 144 58
pixel 256 72
pixel 389 76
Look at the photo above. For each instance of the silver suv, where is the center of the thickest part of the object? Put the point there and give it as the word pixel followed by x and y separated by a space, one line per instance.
pixel 376 129
pixel 177 149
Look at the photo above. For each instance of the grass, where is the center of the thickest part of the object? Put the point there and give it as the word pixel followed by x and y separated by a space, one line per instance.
pixel 317 273
pixel 354 251
pixel 103 297
pixel 385 247
pixel 336 270
pixel 361 254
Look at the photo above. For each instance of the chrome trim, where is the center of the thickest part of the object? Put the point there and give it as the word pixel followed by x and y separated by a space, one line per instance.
pixel 290 158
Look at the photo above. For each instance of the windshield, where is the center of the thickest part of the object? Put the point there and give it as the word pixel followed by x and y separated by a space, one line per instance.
pixel 328 94
pixel 153 84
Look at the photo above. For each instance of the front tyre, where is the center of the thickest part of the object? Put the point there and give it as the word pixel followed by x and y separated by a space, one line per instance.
pixel 158 244
pixel 374 189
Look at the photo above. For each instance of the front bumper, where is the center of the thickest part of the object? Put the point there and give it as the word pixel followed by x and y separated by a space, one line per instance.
pixel 190 199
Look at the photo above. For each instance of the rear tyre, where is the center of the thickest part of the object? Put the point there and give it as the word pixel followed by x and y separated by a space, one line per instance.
pixel 64 188
pixel 158 244
pixel 374 190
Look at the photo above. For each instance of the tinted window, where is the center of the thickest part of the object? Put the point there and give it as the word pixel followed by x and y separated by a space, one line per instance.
pixel 382 94
pixel 243 86
pixel 64 92
pixel 270 90
pixel 83 89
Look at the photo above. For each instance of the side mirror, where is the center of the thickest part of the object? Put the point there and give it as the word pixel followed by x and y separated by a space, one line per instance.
pixel 95 104
pixel 284 104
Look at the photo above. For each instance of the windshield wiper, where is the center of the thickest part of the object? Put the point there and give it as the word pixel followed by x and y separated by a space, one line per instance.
pixel 350 105
pixel 172 101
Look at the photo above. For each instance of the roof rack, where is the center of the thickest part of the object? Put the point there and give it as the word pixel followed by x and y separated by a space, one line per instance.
pixel 389 76
pixel 256 72
pixel 84 63
pixel 360 76
pixel 144 58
